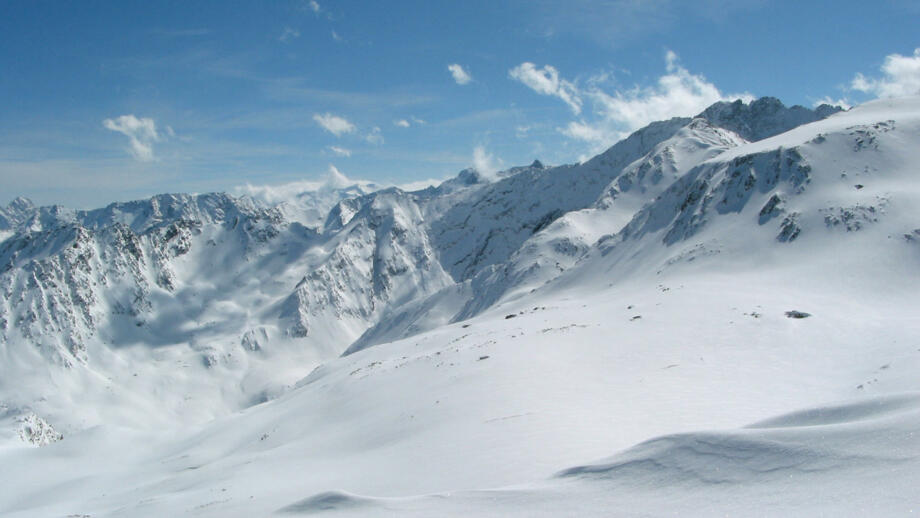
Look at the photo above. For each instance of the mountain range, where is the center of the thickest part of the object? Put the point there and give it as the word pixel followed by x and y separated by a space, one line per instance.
pixel 724 303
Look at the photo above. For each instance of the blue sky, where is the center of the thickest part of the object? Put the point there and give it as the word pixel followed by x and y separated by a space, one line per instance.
pixel 106 101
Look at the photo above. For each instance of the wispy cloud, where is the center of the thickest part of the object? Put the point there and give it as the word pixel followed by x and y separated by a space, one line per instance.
pixel 375 136
pixel 592 133
pixel 288 34
pixel 339 126
pixel 340 151
pixel 334 124
pixel 272 194
pixel 141 132
pixel 460 75
pixel 484 162
pixel 409 121
pixel 677 93
pixel 289 192
pixel 545 81
pixel 900 77
pixel 616 114
pixel 842 102
pixel 521 131
pixel 314 6
pixel 335 178
pixel 92 171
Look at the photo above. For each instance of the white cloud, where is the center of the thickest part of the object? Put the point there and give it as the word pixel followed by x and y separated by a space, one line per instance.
pixel 336 37
pixel 340 151
pixel 141 132
pixel 461 76
pixel 289 192
pixel 484 162
pixel 677 93
pixel 334 124
pixel 901 77
pixel 313 5
pixel 545 81
pixel 288 34
pixel 421 184
pixel 336 180
pixel 582 131
pixel 333 179
pixel 843 102
pixel 411 120
pixel 339 126
pixel 374 137
pixel 273 194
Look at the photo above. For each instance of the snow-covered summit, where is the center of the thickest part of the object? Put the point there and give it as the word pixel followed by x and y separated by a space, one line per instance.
pixel 763 117
pixel 15 212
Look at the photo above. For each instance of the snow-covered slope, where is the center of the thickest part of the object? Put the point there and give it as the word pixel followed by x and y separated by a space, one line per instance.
pixel 518 233
pixel 515 402
pixel 228 287
pixel 243 299
pixel 714 316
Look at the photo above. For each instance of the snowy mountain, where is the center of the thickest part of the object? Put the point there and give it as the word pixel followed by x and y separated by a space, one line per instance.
pixel 726 300
pixel 507 239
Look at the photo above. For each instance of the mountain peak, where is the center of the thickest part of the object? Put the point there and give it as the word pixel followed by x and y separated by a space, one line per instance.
pixel 762 118
pixel 16 212
pixel 20 203
pixel 826 110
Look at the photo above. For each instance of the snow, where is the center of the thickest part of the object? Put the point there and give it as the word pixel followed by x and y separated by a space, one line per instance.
pixel 631 352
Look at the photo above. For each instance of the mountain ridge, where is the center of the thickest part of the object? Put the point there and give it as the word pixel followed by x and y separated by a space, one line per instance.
pixel 82 276
pixel 717 325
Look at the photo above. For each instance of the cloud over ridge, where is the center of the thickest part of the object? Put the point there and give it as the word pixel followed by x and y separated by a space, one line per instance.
pixel 614 115
pixel 901 76
pixel 546 81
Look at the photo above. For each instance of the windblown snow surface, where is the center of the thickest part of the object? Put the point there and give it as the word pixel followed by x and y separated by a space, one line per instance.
pixel 716 317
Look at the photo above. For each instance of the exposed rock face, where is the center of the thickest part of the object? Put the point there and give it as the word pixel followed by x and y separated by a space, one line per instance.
pixel 64 276
pixel 35 430
pixel 16 213
pixel 764 117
